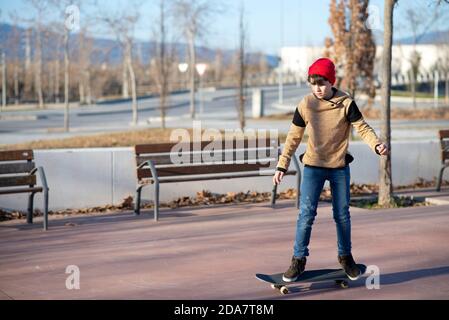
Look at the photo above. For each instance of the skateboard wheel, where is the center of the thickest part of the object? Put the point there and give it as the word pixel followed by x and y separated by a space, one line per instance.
pixel 284 290
pixel 343 284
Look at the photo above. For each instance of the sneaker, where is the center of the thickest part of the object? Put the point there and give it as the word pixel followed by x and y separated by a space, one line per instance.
pixel 296 268
pixel 349 266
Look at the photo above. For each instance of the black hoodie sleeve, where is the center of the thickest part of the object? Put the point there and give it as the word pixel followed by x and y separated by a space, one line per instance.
pixel 298 120
pixel 354 113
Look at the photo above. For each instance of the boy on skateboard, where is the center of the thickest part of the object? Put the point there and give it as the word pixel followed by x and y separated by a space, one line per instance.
pixel 328 114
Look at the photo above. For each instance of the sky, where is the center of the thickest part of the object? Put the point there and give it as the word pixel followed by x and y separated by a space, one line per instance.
pixel 305 22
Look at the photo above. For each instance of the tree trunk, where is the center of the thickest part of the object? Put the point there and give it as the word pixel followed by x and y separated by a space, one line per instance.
pixel 28 72
pixel 38 72
pixel 447 88
pixel 4 88
pixel 385 183
pixel 16 83
pixel 192 69
pixel 241 106
pixel 81 88
pixel 413 86
pixel 163 65
pixel 56 89
pixel 81 64
pixel 125 81
pixel 66 80
pixel 133 81
pixel 88 87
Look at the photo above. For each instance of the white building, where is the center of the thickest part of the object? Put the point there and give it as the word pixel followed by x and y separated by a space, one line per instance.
pixel 296 60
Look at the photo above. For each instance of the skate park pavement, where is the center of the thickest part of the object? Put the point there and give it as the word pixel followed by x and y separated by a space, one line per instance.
pixel 213 252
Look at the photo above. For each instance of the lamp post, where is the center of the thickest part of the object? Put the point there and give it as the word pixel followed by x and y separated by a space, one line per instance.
pixel 201 69
pixel 183 67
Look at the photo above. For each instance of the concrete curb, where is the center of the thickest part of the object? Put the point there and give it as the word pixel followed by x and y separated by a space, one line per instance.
pixel 18 118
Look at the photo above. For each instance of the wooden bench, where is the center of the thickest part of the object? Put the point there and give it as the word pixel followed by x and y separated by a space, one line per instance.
pixel 255 158
pixel 18 175
pixel 444 142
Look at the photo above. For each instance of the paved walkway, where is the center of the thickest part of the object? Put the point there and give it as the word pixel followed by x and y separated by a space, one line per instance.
pixel 214 252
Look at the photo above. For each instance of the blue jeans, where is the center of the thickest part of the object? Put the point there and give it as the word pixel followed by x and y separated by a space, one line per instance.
pixel 311 187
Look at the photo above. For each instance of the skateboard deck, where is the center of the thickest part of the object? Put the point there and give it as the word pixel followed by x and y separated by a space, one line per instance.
pixel 310 276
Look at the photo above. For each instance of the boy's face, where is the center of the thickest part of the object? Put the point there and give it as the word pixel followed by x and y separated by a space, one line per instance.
pixel 321 88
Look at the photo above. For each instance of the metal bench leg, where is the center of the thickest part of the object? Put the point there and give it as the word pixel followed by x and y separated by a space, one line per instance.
pixel 152 167
pixel 440 178
pixel 156 200
pixel 273 195
pixel 45 209
pixel 41 172
pixel 30 208
pixel 137 204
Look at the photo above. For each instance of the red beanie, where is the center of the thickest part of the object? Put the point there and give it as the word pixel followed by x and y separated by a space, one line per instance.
pixel 323 67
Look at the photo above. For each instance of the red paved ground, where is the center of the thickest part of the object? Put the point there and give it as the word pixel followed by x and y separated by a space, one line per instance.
pixel 214 252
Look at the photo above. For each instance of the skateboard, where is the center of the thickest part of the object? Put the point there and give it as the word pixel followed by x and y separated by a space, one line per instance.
pixel 310 276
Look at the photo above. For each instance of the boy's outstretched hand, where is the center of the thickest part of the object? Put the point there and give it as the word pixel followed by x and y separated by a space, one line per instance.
pixel 278 175
pixel 382 149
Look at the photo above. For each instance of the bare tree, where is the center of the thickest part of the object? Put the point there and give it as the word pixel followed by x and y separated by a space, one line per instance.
pixel 420 19
pixel 122 23
pixel 13 45
pixel 66 79
pixel 57 69
pixel 125 74
pixel 66 23
pixel 28 65
pixel 81 62
pixel 385 183
pixel 193 18
pixel 28 70
pixel 242 67
pixel 40 7
pixel 4 86
pixel 164 59
pixel 218 66
pixel 84 81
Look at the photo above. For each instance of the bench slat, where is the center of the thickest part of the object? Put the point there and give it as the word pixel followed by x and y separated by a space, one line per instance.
pixel 224 144
pixel 20 190
pixel 445 155
pixel 17 181
pixel 204 169
pixel 16 155
pixel 289 173
pixel 23 167
pixel 223 155
pixel 443 134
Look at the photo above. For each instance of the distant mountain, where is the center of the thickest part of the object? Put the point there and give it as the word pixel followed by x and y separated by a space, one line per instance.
pixel 109 51
pixel 437 37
